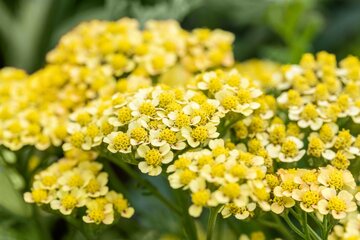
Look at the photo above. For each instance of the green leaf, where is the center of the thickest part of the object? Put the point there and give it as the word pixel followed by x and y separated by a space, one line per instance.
pixel 11 199
pixel 122 157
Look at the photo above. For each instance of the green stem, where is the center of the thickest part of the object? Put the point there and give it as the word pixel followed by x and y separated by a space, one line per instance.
pixel 280 226
pixel 305 226
pixel 325 227
pixel 43 231
pixel 314 234
pixel 211 222
pixel 187 221
pixel 292 226
pixel 145 183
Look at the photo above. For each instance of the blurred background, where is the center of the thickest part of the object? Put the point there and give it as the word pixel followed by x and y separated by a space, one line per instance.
pixel 280 30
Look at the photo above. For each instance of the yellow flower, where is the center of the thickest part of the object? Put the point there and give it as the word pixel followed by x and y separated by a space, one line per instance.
pixel 98 213
pixel 154 158
pixel 120 204
pixel 337 204
pixel 67 201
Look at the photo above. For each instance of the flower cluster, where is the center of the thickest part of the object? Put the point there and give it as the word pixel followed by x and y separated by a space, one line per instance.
pixel 158 122
pixel 220 176
pixel 76 182
pixel 260 137
pixel 122 48
pixel 349 228
pixel 91 61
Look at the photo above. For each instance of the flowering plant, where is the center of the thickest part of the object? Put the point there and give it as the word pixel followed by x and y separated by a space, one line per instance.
pixel 259 142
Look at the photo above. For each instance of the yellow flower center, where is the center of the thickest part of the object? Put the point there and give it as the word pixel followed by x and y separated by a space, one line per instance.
pixel 321 92
pixel 93 186
pixel 336 179
pixel 204 160
pixel 309 112
pixel 121 142
pixel 343 102
pixel 200 133
pixel 244 96
pixel 272 180
pixel 309 177
pixel 289 148
pixel 168 136
pixel 233 80
pixel 278 135
pixel 343 140
pixel 288 185
pixel 182 120
pixel 214 85
pixel 326 133
pixel 293 130
pixel 118 61
pixel 15 127
pixel 60 132
pixel 172 107
pixel 208 108
pixel 218 170
pixel 294 98
pixel 337 204
pixel 232 190
pixel 257 125
pixel 182 163
pixel 69 201
pixel 229 102
pixel 261 194
pixel 316 147
pixel 39 195
pixel 153 157
pixel 49 180
pixel 238 171
pixel 217 151
pixel 201 197
pixel 120 204
pixel 83 118
pixel 139 134
pixel 310 198
pixel 92 130
pixel 124 115
pixel 340 161
pixel 106 128
pixel 254 146
pixel 158 62
pixel 147 109
pixel 75 180
pixel 96 214
pixel 166 98
pixel 77 139
pixel 187 176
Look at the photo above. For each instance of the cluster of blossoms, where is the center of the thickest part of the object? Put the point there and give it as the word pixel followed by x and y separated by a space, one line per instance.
pixel 225 175
pixel 220 176
pixel 241 140
pixel 92 61
pixel 75 182
pixel 158 122
pixel 124 49
pixel 348 228
pixel 326 190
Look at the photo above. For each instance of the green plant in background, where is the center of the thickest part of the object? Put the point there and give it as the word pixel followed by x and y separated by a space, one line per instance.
pixel 278 30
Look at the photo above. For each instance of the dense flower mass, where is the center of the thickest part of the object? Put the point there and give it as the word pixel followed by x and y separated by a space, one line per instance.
pixel 76 181
pixel 251 140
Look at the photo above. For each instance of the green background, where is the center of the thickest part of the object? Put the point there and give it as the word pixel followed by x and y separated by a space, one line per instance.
pixel 280 30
